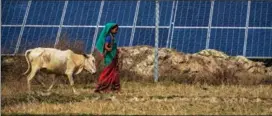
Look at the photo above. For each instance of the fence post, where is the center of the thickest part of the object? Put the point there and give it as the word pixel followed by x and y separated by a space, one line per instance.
pixel 156 68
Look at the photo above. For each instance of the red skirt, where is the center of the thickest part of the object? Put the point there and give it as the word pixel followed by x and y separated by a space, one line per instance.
pixel 109 78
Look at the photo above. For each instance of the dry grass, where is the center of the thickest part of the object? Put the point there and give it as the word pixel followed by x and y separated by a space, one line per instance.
pixel 143 98
pixel 177 96
pixel 174 94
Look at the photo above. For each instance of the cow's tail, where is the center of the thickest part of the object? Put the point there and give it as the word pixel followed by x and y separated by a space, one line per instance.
pixel 27 60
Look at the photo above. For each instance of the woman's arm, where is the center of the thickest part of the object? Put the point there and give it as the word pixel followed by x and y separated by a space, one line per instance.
pixel 108 46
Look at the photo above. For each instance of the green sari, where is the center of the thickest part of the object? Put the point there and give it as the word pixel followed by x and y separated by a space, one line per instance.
pixel 109 56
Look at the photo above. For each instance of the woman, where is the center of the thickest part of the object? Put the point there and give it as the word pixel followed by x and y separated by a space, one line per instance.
pixel 107 50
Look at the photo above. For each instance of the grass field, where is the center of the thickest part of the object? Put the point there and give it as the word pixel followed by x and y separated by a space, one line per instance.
pixel 140 98
pixel 178 94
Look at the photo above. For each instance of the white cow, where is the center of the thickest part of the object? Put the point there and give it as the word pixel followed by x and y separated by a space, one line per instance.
pixel 58 62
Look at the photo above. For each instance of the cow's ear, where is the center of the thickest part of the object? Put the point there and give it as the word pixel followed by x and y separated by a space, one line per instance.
pixel 85 55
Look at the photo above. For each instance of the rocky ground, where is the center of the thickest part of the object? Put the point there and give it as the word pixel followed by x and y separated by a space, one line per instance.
pixel 209 66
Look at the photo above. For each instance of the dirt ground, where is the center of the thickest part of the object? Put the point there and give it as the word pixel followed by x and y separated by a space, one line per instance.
pixel 144 98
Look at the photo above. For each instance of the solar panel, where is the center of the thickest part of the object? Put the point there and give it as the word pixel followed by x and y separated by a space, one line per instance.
pixel 165 12
pixel 121 12
pixel 79 37
pixel 13 11
pixel 240 27
pixel 146 16
pixel 123 36
pixel 189 40
pixel 229 13
pixel 37 37
pixel 9 39
pixel 193 13
pixel 259 43
pixel 82 12
pixel 163 34
pixel 44 12
pixel 230 41
pixel 144 36
pixel 260 13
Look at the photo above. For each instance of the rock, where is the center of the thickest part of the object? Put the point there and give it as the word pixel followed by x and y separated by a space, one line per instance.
pixel 212 52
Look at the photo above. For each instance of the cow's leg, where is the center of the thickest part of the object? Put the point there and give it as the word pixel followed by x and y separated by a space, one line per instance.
pixel 30 77
pixel 70 73
pixel 53 83
pixel 39 81
pixel 70 78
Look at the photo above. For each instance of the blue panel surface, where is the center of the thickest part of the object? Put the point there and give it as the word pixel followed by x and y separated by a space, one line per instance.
pixel 9 37
pixel 144 36
pixel 163 35
pixel 260 13
pixel 45 12
pixel 229 13
pixel 259 43
pixel 193 13
pixel 13 11
pixel 79 38
pixel 120 12
pixel 146 15
pixel 123 36
pixel 37 37
pixel 82 12
pixel 165 12
pixel 189 40
pixel 189 13
pixel 230 41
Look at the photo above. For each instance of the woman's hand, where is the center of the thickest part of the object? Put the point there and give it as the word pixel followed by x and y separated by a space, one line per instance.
pixel 107 47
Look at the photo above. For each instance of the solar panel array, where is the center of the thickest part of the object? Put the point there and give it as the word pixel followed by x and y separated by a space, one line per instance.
pixel 237 27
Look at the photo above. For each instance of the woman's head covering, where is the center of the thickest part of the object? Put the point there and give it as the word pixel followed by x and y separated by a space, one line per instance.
pixel 101 41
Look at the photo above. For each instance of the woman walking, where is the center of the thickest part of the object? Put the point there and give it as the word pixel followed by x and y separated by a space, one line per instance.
pixel 107 50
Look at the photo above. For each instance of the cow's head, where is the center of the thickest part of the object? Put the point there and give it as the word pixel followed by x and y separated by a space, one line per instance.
pixel 89 63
